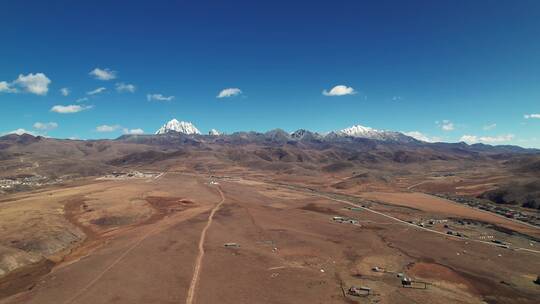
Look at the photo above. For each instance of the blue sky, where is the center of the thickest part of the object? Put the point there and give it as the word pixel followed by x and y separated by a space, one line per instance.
pixel 447 70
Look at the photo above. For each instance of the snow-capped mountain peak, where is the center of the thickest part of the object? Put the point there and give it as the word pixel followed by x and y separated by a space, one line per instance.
pixel 178 126
pixel 214 132
pixel 360 131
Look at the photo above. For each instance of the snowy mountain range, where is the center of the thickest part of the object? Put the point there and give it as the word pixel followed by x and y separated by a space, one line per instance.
pixel 357 131
pixel 178 126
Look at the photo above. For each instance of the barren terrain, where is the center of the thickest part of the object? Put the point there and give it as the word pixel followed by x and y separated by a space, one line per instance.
pixel 202 227
pixel 144 238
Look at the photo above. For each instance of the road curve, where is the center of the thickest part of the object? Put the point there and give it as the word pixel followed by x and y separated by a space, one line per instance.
pixel 200 256
pixel 419 227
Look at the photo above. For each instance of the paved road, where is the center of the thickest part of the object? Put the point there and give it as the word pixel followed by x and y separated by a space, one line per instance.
pixel 314 193
pixel 419 227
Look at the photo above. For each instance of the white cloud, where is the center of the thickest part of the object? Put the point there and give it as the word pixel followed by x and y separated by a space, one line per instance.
pixel 446 125
pixel 490 127
pixel 96 91
pixel 45 125
pixel 159 97
pixel 526 116
pixel 421 136
pixel 472 139
pixel 37 83
pixel 125 87
pixel 229 92
pixel 6 87
pixel 82 99
pixel 103 74
pixel 33 83
pixel 339 90
pixel 21 131
pixel 137 131
pixel 107 128
pixel 65 91
pixel 69 109
pixel 396 98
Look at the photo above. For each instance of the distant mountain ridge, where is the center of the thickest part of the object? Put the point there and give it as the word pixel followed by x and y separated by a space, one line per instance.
pixel 356 131
pixel 357 137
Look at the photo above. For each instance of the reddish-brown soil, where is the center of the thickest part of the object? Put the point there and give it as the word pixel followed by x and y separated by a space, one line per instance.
pixel 290 250
pixel 436 205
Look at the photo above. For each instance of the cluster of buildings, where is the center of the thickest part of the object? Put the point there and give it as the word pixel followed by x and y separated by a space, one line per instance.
pixel 26 181
pixel 429 223
pixel 345 220
pixel 128 175
pixel 505 211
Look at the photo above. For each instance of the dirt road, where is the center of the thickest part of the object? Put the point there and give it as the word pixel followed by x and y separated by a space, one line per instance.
pixel 200 256
pixel 148 262
pixel 292 252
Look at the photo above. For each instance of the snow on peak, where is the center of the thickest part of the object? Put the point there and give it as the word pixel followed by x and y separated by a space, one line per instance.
pixel 214 132
pixel 358 131
pixel 178 126
pixel 367 132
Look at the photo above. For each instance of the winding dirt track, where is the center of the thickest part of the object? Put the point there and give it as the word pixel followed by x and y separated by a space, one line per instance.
pixel 200 256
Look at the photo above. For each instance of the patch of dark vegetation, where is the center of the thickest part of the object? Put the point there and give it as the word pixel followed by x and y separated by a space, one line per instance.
pixel 319 209
pixel 491 289
pixel 336 167
pixel 405 157
pixel 112 221
pixel 315 283
pixel 146 157
pixel 24 278
pixel 31 245
pixel 202 218
pixel 525 194
pixel 512 232
pixel 358 179
pixel 350 254
pixel 372 227
pixel 495 227
pixel 225 211
pixel 167 246
pixel 166 204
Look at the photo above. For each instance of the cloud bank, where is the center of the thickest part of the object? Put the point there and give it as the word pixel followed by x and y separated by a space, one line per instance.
pixel 107 128
pixel 531 116
pixel 69 109
pixel 137 131
pixel 45 126
pixel 473 139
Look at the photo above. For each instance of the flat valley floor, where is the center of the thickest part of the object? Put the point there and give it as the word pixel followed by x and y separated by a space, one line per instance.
pixel 163 240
